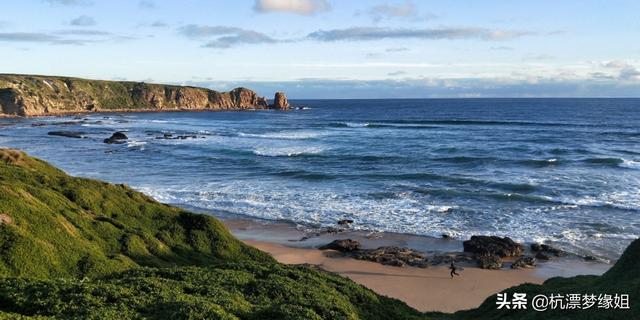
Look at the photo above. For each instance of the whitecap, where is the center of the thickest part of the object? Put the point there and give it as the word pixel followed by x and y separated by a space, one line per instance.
pixel 286 135
pixel 630 164
pixel 287 151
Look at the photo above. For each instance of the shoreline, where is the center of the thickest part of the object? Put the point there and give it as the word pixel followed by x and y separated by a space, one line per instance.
pixel 127 111
pixel 429 289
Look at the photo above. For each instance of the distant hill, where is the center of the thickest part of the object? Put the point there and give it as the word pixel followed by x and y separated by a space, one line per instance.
pixel 33 95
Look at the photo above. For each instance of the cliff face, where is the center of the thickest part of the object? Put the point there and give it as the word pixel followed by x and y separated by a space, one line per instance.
pixel 25 95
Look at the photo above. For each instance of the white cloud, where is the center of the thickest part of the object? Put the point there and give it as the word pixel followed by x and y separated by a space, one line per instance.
pixel 301 7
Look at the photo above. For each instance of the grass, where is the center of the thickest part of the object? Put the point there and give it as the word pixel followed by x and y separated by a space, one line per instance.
pixel 73 248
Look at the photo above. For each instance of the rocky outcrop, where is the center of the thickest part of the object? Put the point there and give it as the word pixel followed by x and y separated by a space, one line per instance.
pixel 524 262
pixel 394 256
pixel 492 245
pixel 544 248
pixel 25 95
pixel 116 138
pixel 343 245
pixel 68 134
pixel 489 261
pixel 280 102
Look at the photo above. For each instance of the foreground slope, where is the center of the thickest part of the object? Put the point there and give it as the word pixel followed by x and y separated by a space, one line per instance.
pixel 55 225
pixel 31 95
pixel 74 248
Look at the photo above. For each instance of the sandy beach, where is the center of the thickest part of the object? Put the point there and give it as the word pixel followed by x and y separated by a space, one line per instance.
pixel 430 289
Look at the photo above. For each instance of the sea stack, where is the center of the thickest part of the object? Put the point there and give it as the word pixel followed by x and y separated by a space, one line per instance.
pixel 280 102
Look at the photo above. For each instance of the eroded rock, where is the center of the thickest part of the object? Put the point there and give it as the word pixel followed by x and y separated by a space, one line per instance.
pixel 524 262
pixel 68 134
pixel 537 247
pixel 116 138
pixel 342 245
pixel 492 245
pixel 489 261
pixel 280 102
pixel 393 256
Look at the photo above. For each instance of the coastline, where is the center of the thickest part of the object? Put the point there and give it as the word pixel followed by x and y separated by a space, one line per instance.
pixel 118 111
pixel 429 289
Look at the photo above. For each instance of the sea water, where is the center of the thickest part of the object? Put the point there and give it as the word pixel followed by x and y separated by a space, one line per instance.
pixel 565 171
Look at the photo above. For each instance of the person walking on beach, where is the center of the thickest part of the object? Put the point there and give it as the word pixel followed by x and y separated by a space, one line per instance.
pixel 453 269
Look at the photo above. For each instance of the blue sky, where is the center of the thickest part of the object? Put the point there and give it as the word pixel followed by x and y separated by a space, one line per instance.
pixel 335 48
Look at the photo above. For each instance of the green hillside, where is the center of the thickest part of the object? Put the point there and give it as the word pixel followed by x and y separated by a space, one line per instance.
pixel 85 249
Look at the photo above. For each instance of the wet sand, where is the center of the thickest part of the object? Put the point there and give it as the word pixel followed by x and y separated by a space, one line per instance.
pixel 430 289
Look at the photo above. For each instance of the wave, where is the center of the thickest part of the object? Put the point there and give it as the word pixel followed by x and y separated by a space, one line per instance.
pixel 536 163
pixel 614 162
pixel 347 124
pixel 285 135
pixel 630 164
pixel 400 126
pixel 606 161
pixel 304 175
pixel 461 123
pixel 287 151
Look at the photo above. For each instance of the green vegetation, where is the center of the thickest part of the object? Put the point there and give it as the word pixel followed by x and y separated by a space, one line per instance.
pixel 74 248
pixel 70 227
pixel 80 248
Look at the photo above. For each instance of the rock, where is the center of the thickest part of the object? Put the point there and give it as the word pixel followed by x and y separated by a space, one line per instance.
pixel 5 219
pixel 524 262
pixel 393 256
pixel 492 245
pixel 169 136
pixel 542 256
pixel 537 247
pixel 344 245
pixel 489 261
pixel 116 138
pixel 68 134
pixel 280 102
pixel 447 258
pixel 345 222
pixel 590 258
pixel 446 236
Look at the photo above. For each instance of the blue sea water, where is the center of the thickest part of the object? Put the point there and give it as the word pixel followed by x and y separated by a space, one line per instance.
pixel 559 170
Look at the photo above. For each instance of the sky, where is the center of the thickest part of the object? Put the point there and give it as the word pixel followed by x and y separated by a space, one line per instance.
pixel 335 48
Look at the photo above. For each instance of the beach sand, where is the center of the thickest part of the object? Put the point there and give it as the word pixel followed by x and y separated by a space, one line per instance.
pixel 430 289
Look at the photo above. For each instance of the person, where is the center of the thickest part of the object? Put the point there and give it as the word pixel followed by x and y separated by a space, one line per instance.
pixel 453 270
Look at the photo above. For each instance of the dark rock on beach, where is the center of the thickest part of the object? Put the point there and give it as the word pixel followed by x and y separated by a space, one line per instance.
pixel 68 134
pixel 393 256
pixel 537 247
pixel 492 245
pixel 344 222
pixel 343 245
pixel 542 256
pixel 524 262
pixel 490 261
pixel 116 138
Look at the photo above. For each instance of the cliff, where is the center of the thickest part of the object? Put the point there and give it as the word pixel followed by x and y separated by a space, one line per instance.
pixel 29 95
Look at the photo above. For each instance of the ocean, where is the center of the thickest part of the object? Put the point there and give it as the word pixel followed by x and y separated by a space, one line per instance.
pixel 566 171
